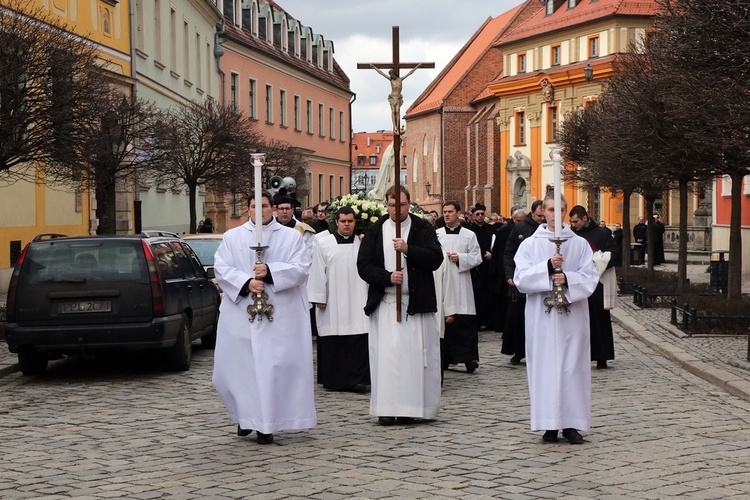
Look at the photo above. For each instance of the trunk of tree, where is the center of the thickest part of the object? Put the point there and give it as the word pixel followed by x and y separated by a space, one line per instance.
pixel 682 281
pixel 734 285
pixel 106 194
pixel 626 229
pixel 193 191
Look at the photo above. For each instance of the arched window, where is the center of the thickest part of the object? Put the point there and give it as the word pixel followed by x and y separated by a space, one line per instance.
pixel 284 36
pixel 254 18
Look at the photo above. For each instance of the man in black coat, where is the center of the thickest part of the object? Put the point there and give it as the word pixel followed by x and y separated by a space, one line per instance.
pixel 498 283
pixel 480 275
pixel 599 238
pixel 640 235
pixel 405 354
pixel 514 336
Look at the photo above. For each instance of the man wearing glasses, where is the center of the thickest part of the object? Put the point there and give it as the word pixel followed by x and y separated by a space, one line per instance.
pixel 404 355
pixel 284 216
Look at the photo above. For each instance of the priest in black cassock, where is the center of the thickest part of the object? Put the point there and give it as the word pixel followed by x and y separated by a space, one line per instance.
pixel 481 273
pixel 339 296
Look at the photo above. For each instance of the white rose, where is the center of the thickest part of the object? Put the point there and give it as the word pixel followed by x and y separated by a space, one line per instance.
pixel 373 219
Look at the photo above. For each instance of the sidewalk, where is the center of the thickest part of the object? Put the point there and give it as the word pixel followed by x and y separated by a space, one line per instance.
pixel 721 360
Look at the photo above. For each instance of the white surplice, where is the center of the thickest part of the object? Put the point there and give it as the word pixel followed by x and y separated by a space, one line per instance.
pixel 334 282
pixel 263 370
pixel 453 280
pixel 405 355
pixel 558 360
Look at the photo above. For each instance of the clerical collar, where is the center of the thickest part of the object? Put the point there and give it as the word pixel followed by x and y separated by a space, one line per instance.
pixel 448 230
pixel 292 222
pixel 341 239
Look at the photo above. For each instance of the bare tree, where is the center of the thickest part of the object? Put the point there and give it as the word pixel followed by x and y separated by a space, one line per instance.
pixel 49 81
pixel 204 144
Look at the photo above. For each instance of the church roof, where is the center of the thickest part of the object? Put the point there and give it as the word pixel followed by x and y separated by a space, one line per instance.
pixel 585 11
pixel 483 39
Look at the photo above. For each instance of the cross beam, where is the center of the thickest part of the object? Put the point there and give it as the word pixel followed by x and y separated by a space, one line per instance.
pixel 396 99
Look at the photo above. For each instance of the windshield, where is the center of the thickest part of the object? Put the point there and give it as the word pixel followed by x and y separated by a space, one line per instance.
pixel 86 261
pixel 205 249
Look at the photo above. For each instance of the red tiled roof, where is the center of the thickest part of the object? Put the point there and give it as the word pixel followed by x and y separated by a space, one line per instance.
pixel 482 41
pixel 336 78
pixel 586 11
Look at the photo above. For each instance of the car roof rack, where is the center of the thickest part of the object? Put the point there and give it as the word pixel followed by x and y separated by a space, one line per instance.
pixel 155 233
pixel 48 236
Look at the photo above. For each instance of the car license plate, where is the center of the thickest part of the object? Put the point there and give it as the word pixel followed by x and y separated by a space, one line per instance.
pixel 85 306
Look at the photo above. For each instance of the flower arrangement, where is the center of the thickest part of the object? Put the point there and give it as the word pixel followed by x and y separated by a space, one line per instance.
pixel 366 212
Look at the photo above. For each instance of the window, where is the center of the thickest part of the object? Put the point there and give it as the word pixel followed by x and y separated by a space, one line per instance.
pixel 252 109
pixel 593 46
pixel 361 160
pixel 571 4
pixel 552 124
pixel 198 62
pixel 269 104
pixel 233 89
pixel 549 7
pixel 186 54
pixel 341 184
pixel 331 125
pixel 342 138
pixel 282 107
pixel 236 204
pixel 321 187
pixel 373 160
pixel 296 111
pixel 331 180
pixel 309 117
pixel 520 128
pixel 157 31
pixel 522 63
pixel 555 55
pixel 321 120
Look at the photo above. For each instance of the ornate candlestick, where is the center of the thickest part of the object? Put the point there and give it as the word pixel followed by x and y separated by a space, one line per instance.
pixel 260 305
pixel 557 299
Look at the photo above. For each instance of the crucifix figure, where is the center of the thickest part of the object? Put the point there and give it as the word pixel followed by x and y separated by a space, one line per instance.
pixel 396 99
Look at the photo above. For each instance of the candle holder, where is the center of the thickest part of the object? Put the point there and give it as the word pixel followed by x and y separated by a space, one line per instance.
pixel 260 305
pixel 557 299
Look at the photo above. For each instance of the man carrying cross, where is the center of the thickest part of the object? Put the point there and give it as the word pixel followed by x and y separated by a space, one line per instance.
pixel 404 355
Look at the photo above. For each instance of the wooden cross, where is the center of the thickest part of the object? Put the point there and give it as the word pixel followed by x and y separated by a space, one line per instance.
pixel 396 99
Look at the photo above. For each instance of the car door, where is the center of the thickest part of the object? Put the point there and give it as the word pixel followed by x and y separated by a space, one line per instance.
pixel 195 284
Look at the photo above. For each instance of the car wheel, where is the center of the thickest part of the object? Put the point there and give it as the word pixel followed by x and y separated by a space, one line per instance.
pixel 32 362
pixel 208 341
pixel 180 355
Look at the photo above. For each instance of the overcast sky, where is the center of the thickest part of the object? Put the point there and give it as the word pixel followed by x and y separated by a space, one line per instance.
pixel 429 30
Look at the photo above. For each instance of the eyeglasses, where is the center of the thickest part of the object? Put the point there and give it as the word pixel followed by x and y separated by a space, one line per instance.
pixel 284 208
pixel 393 205
pixel 480 214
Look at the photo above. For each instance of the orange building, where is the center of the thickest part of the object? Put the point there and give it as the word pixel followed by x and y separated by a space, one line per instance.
pixel 368 150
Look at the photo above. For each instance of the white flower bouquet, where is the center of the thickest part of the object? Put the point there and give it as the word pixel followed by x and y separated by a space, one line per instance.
pixel 366 212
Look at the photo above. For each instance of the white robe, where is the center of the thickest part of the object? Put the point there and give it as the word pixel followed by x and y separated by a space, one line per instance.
pixel 558 360
pixel 263 370
pixel 404 356
pixel 453 282
pixel 334 281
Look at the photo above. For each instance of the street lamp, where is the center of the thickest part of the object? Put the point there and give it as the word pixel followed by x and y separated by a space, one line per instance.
pixel 588 73
pixel 428 186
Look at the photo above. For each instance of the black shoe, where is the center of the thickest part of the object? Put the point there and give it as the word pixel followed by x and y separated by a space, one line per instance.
pixel 601 365
pixel 386 420
pixel 572 436
pixel 516 360
pixel 471 366
pixel 243 432
pixel 550 436
pixel 264 438
pixel 405 420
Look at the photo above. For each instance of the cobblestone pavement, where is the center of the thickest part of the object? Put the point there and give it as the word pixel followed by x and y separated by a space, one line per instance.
pixel 122 428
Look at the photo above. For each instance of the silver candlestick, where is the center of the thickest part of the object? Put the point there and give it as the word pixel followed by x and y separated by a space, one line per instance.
pixel 557 299
pixel 260 305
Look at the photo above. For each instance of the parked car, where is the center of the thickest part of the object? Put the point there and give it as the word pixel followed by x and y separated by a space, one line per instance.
pixel 205 246
pixel 82 293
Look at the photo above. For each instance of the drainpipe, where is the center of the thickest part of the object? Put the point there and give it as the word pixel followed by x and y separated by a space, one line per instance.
pixel 351 134
pixel 218 52
pixel 137 207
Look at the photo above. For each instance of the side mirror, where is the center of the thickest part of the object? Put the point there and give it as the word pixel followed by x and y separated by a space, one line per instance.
pixel 210 273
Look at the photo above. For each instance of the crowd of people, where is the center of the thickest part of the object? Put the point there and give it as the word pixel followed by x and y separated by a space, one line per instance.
pixel 394 308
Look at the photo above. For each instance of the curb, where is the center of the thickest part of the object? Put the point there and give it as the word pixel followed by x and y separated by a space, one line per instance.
pixel 8 370
pixel 723 379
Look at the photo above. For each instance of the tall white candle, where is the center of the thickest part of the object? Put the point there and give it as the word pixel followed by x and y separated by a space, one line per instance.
pixel 556 156
pixel 257 164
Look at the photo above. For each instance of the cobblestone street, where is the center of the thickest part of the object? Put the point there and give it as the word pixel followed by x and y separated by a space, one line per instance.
pixel 117 428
